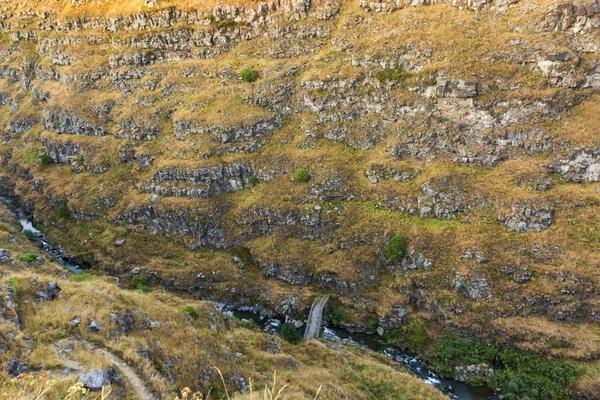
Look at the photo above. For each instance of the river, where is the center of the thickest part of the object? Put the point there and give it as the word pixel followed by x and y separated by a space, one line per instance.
pixel 454 389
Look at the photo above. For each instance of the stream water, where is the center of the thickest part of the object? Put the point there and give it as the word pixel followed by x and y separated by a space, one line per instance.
pixel 455 390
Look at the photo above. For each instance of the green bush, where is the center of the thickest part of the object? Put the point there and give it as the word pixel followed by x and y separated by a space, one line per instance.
pixel 413 334
pixel 525 375
pixel 395 249
pixel 191 311
pixel 336 315
pixel 302 175
pixel 63 212
pixel 140 284
pixel 121 230
pixel 250 324
pixel 253 181
pixel 249 75
pixel 45 159
pixel 395 74
pixel 84 276
pixel 30 235
pixel 290 333
pixel 28 257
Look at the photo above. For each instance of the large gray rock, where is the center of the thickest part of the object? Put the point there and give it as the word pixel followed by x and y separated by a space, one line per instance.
pixel 582 166
pixel 50 292
pixel 94 380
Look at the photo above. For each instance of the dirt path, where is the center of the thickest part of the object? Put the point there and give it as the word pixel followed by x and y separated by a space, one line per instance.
pixel 135 383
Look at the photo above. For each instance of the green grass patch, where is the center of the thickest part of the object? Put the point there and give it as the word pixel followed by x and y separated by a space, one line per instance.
pixel 191 311
pixel 83 277
pixel 28 257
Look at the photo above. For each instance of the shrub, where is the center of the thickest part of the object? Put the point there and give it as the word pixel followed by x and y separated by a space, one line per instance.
pixel 63 212
pixel 395 249
pixel 525 375
pixel 191 311
pixel 45 159
pixel 28 257
pixel 249 75
pixel 253 181
pixel 395 74
pixel 415 332
pixel 302 175
pixel 84 276
pixel 290 333
pixel 250 324
pixel 336 315
pixel 121 230
pixel 30 235
pixel 140 284
pixel 80 160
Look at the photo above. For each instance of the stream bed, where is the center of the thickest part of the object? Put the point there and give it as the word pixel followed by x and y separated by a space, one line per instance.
pixel 454 389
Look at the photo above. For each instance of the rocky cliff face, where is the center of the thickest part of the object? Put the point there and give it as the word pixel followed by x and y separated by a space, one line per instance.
pixel 459 124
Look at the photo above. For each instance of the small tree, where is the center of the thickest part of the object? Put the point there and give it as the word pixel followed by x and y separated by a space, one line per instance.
pixel 395 249
pixel 302 175
pixel 290 333
pixel 45 159
pixel 250 75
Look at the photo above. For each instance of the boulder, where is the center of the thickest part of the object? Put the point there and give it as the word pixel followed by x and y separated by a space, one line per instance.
pixel 94 380
pixel 50 292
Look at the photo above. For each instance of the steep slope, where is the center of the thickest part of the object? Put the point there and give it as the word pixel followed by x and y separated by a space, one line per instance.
pixel 470 128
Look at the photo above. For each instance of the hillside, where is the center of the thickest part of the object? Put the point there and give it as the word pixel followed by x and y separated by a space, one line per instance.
pixel 263 153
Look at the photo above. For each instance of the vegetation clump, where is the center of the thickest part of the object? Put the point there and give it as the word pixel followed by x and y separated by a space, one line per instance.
pixel 191 311
pixel 45 159
pixel 395 249
pixel 290 333
pixel 518 375
pixel 302 175
pixel 249 75
pixel 83 277
pixel 63 212
pixel 140 283
pixel 412 334
pixel 28 257
pixel 30 235
pixel 394 74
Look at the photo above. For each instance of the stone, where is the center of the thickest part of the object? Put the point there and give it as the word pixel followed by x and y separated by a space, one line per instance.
pixel 94 380
pixel 94 326
pixel 50 292
pixel 154 199
pixel 120 242
pixel 154 324
pixel 15 367
pixel 75 321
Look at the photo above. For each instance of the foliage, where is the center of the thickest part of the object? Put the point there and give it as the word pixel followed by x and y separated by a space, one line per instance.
pixel 63 212
pixel 121 230
pixel 140 283
pixel 250 324
pixel 523 376
pixel 28 257
pixel 83 277
pixel 302 175
pixel 249 75
pixel 395 249
pixel 253 181
pixel 191 311
pixel 415 332
pixel 395 74
pixel 290 333
pixel 30 235
pixel 336 315
pixel 45 159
